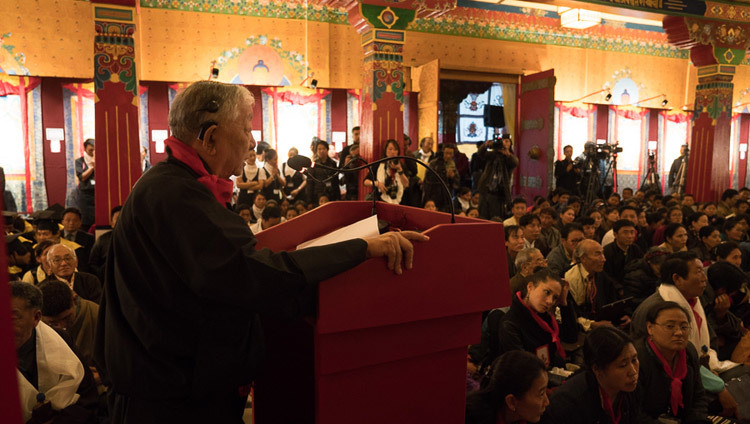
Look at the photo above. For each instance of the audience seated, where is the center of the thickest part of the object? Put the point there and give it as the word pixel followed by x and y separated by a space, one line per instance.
pixel 53 383
pixel 532 233
pixel 622 251
pixel 271 216
pixel 37 275
pixel 560 259
pixel 527 261
pixel 709 237
pixel 514 243
pixel 670 367
pixel 530 323
pixel 550 233
pixel 63 263
pixel 517 392
pixel 606 391
pixel 71 221
pixel 683 282
pixel 675 238
pixel 591 287
pixel 642 277
pixel 65 311
pixel 518 209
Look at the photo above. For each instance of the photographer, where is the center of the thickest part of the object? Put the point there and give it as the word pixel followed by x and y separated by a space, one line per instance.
pixel 678 170
pixel 494 184
pixel 567 171
pixel 390 177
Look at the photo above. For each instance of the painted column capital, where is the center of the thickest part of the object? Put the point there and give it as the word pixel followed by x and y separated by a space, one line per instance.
pixel 710 42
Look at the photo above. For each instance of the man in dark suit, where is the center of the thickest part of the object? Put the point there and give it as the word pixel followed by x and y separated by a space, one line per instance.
pixel 71 221
pixel 566 175
pixel 86 180
pixel 63 263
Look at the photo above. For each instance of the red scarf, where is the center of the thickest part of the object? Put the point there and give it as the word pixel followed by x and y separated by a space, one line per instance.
pixel 698 319
pixel 220 187
pixel 608 407
pixel 554 330
pixel 679 373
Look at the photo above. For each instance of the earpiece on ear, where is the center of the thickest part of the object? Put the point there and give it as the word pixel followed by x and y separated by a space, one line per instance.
pixel 204 127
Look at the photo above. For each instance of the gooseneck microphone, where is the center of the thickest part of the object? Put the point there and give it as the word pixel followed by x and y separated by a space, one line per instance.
pixel 303 164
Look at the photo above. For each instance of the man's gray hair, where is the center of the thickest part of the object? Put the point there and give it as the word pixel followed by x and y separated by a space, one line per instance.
pixel 524 256
pixel 582 249
pixel 28 292
pixel 193 106
pixel 68 248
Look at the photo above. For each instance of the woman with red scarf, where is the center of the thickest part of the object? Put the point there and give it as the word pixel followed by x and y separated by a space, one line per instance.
pixel 530 323
pixel 670 369
pixel 605 392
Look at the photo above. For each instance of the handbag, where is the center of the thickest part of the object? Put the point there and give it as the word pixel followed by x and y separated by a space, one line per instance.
pixel 739 387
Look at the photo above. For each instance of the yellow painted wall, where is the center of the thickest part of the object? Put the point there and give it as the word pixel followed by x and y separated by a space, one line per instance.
pixel 56 37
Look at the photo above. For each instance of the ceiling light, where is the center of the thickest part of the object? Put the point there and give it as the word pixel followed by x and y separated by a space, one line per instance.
pixel 579 18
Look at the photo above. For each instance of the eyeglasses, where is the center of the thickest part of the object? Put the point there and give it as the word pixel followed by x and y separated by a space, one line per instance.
pixel 69 259
pixel 673 327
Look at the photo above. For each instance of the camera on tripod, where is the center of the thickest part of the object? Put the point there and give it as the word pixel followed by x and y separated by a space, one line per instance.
pixel 601 151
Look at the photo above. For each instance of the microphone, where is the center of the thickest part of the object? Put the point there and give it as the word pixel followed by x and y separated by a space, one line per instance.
pixel 298 162
pixel 303 163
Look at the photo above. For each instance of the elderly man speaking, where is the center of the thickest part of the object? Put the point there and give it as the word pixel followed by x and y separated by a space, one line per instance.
pixel 179 334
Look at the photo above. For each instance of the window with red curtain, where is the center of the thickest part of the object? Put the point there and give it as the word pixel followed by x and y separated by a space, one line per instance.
pixel 674 131
pixel 575 123
pixel 294 115
pixel 17 146
pixel 628 129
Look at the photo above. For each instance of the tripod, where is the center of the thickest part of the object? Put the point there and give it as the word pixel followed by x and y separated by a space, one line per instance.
pixel 651 180
pixel 591 170
pixel 681 176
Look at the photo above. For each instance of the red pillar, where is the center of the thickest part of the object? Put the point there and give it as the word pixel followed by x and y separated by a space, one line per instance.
pixel 716 48
pixel 118 163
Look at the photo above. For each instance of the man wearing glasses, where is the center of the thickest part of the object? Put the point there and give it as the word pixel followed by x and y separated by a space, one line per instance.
pixel 63 263
pixel 179 335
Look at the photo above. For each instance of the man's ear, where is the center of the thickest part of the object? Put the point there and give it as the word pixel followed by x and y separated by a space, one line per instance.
pixel 207 143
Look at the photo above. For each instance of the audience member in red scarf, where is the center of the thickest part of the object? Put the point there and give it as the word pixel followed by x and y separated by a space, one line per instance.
pixel 606 392
pixel 670 369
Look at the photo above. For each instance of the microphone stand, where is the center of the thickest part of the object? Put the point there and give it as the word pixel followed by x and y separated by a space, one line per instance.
pixel 372 174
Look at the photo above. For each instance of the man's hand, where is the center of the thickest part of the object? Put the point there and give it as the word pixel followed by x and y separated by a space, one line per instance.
pixel 728 404
pixel 569 167
pixel 624 321
pixel 597 324
pixel 563 299
pixel 722 305
pixel 396 247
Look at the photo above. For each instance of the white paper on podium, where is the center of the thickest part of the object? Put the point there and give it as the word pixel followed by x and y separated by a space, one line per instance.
pixel 365 228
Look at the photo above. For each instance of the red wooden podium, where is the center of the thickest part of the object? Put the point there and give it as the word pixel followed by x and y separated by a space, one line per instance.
pixel 383 347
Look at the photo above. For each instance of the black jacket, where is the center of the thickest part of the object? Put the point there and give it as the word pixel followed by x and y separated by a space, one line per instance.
pixel 639 281
pixel 179 316
pixel 565 178
pixel 578 401
pixel 85 285
pixel 519 331
pixel 655 382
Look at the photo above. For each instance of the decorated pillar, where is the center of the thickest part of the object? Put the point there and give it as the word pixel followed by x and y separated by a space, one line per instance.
pixel 383 36
pixel 382 28
pixel 117 154
pixel 716 48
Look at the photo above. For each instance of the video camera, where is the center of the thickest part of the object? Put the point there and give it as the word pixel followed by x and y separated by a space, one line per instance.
pixel 497 142
pixel 602 151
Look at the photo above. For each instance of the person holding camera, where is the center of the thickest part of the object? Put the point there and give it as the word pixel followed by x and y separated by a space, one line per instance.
pixel 567 171
pixel 390 178
pixel 678 169
pixel 494 184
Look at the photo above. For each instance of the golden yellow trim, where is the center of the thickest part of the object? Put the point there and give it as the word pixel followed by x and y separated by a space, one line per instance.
pixel 117 138
pixel 127 140
pixel 109 169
